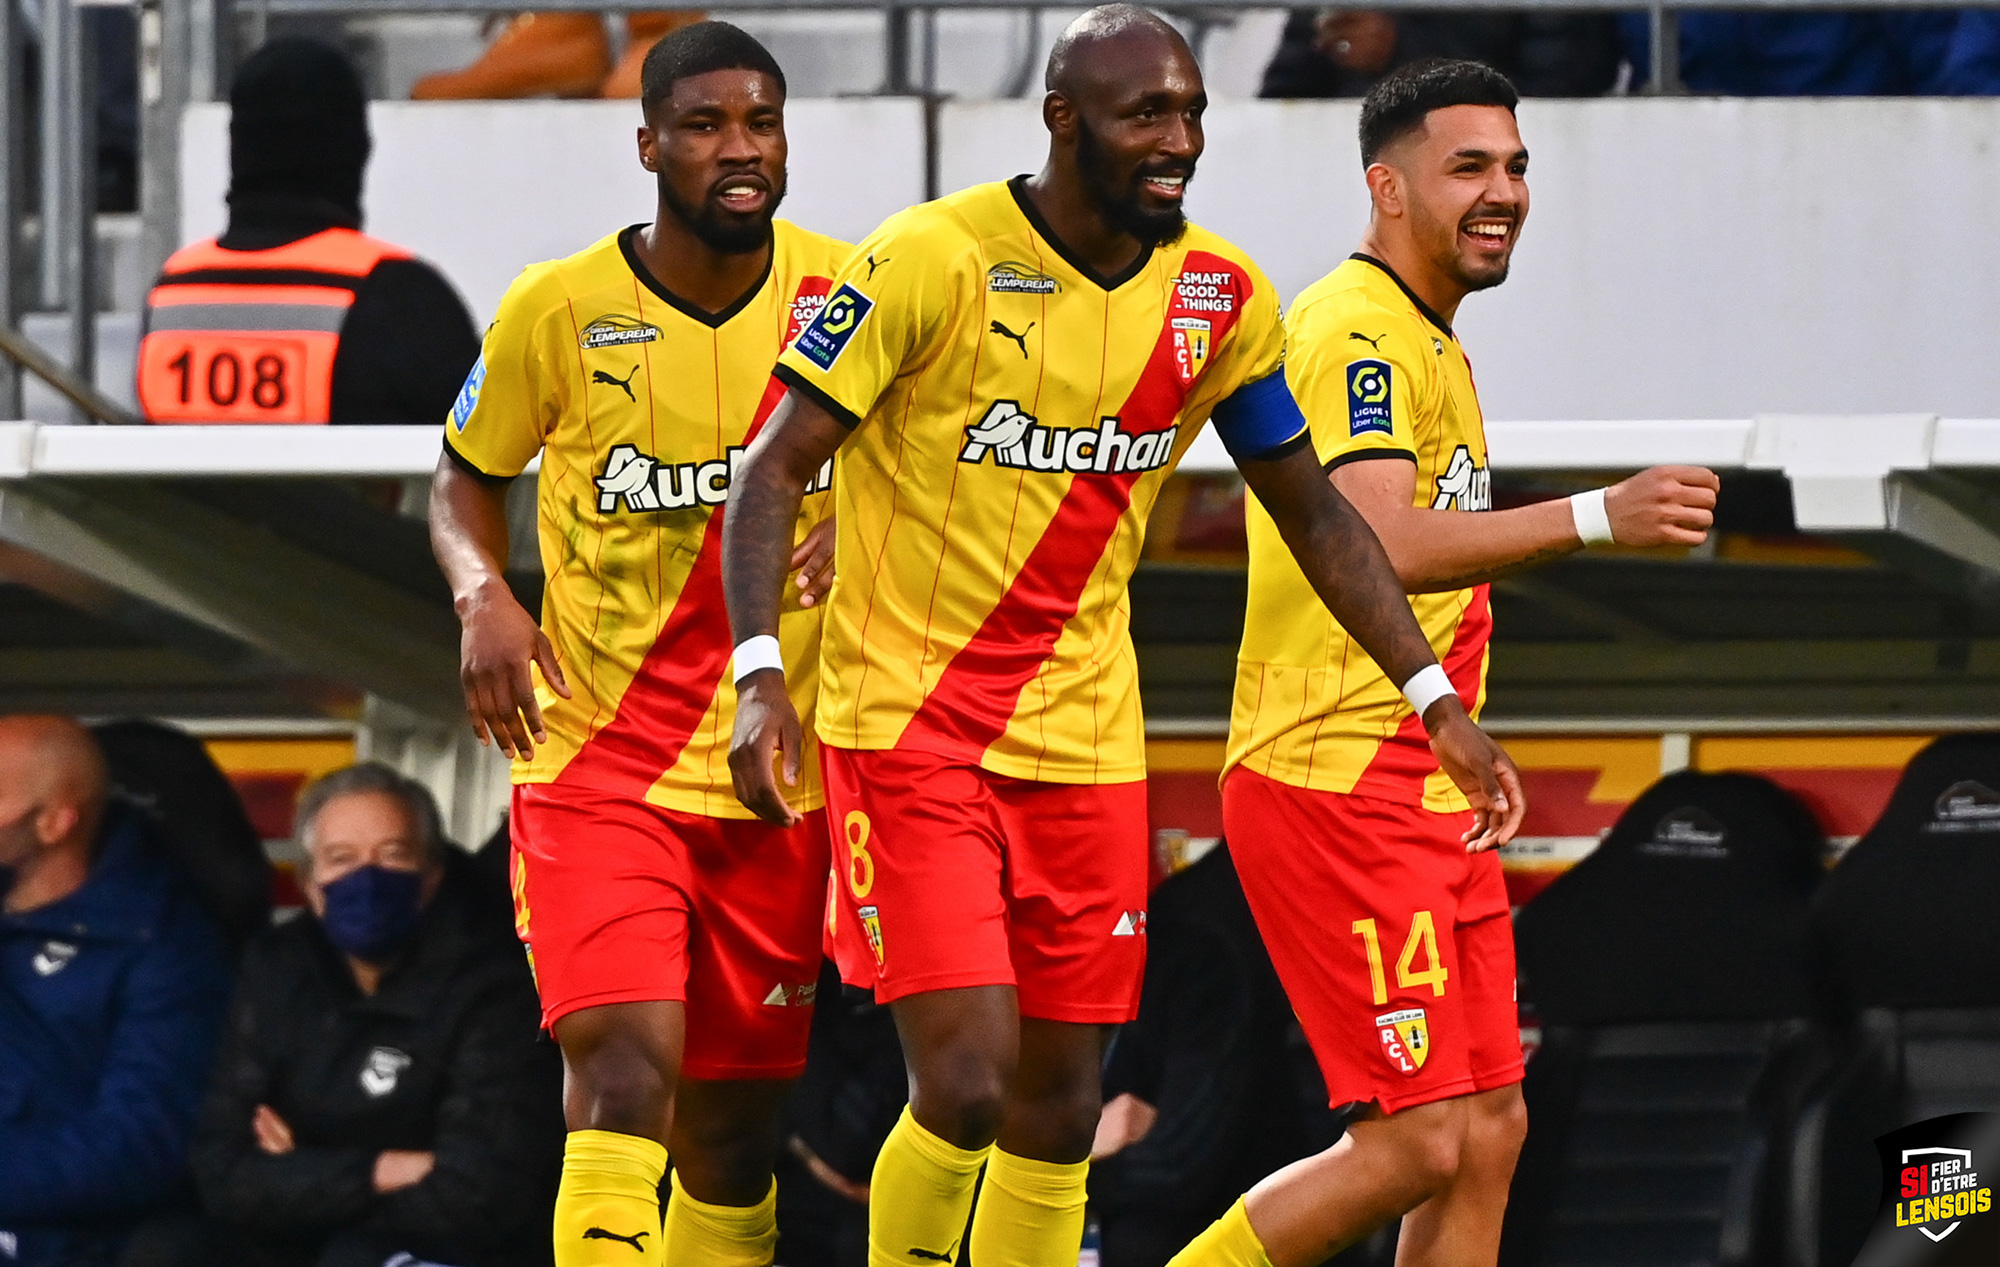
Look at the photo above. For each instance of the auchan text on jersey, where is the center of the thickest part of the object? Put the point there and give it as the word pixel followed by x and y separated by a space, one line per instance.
pixel 1018 440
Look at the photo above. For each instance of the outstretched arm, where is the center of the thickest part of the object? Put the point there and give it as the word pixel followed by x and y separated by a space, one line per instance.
pixel 1346 565
pixel 757 550
pixel 499 639
pixel 1449 549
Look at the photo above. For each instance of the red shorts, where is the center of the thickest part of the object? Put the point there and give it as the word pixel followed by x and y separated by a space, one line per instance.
pixel 623 901
pixel 953 876
pixel 1394 944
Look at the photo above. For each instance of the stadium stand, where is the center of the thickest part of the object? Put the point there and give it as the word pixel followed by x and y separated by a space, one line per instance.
pixel 1910 956
pixel 1671 973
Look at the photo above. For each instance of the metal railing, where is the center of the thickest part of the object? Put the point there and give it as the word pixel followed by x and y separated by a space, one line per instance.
pixel 186 49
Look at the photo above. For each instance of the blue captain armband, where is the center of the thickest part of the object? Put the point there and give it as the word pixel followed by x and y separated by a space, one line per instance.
pixel 1260 422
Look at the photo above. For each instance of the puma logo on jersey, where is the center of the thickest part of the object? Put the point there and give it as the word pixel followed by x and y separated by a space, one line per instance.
pixel 622 384
pixel 932 1256
pixel 1020 442
pixel 1464 486
pixel 599 1234
pixel 874 264
pixel 1375 342
pixel 1021 338
pixel 643 482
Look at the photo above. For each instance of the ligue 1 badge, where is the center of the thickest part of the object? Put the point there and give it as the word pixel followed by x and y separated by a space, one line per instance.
pixel 1937 1195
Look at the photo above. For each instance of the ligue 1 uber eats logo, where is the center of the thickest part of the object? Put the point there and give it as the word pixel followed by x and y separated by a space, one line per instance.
pixel 1937 1205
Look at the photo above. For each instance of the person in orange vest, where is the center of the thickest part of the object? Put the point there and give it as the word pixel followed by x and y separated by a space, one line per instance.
pixel 294 315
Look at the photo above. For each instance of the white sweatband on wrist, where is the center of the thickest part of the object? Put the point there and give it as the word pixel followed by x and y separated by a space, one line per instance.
pixel 760 652
pixel 1426 687
pixel 1593 522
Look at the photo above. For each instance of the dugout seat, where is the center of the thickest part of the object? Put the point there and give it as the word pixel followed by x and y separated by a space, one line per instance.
pixel 1670 971
pixel 1908 945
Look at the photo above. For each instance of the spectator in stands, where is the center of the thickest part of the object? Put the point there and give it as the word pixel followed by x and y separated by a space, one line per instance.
pixel 1938 52
pixel 1202 1094
pixel 383 1088
pixel 558 55
pixel 294 315
pixel 113 987
pixel 1342 52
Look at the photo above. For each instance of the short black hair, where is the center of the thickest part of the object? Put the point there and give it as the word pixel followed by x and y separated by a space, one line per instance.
pixel 1398 102
pixel 697 50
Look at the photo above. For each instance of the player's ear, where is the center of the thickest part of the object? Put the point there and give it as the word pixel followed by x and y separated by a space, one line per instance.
pixel 1058 115
pixel 649 148
pixel 1385 189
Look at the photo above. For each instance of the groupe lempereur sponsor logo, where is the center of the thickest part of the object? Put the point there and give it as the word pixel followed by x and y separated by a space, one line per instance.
pixel 1965 806
pixel 1687 832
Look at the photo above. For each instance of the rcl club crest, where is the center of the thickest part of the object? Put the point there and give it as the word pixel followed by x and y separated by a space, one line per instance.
pixel 1406 1039
pixel 805 305
pixel 1203 305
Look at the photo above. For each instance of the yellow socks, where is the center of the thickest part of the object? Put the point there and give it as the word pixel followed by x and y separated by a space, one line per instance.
pixel 1230 1241
pixel 1030 1212
pixel 609 1203
pixel 919 1197
pixel 702 1235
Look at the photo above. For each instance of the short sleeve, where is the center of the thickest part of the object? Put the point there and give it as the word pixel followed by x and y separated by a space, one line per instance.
pixel 885 311
pixel 1354 372
pixel 505 409
pixel 1255 416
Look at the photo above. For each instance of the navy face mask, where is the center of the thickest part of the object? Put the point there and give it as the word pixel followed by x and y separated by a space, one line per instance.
pixel 372 912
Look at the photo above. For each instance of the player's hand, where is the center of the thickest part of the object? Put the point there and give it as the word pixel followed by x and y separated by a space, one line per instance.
pixel 1482 770
pixel 812 562
pixel 767 726
pixel 274 1136
pixel 1663 506
pixel 499 642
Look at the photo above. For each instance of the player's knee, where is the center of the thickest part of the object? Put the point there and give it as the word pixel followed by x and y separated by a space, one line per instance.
pixel 618 1086
pixel 1498 1125
pixel 1431 1138
pixel 962 1099
pixel 727 1165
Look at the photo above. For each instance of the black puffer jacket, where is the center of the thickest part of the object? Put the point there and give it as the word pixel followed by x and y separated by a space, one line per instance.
pixel 446 1057
pixel 1545 54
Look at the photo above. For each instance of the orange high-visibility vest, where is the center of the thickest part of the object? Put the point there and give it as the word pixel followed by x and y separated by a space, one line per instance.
pixel 251 336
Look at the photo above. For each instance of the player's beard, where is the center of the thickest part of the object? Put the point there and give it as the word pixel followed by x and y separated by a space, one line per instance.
pixel 1446 255
pixel 719 230
pixel 1119 204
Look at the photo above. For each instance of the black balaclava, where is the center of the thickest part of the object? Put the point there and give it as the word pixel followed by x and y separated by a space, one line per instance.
pixel 298 126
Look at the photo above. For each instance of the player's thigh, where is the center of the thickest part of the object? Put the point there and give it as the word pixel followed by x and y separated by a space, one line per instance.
pixel 601 885
pixel 758 897
pixel 1356 899
pixel 1484 945
pixel 917 868
pixel 1076 897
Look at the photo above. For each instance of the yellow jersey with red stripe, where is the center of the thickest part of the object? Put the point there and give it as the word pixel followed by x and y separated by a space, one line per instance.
pixel 1015 415
pixel 640 405
pixel 1380 376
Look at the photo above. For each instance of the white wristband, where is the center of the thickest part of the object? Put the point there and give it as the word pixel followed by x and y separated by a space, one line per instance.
pixel 760 652
pixel 1426 687
pixel 1593 522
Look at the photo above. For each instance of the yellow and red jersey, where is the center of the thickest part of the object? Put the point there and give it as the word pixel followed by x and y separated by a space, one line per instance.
pixel 1015 418
pixel 640 405
pixel 1380 376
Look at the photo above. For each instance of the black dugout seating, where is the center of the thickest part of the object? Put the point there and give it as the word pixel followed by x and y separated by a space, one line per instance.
pixel 1907 930
pixel 1671 973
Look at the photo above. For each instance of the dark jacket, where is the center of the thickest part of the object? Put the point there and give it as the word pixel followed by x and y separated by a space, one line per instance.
pixel 1937 52
pixel 445 1057
pixel 110 1003
pixel 1210 1051
pixel 1545 54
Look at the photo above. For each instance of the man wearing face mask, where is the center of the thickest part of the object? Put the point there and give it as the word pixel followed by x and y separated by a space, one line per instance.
pixel 382 1089
pixel 113 986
